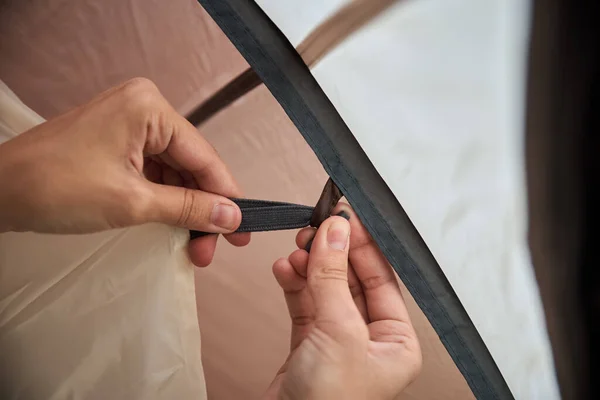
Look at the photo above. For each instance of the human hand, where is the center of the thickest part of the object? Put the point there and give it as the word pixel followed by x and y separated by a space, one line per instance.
pixel 352 337
pixel 125 158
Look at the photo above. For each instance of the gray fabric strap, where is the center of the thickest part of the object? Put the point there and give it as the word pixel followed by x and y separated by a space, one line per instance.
pixel 264 215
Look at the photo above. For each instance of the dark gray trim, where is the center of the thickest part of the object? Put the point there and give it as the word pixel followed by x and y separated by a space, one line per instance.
pixel 284 73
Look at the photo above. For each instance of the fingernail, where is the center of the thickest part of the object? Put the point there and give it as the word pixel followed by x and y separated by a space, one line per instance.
pixel 224 216
pixel 344 215
pixel 337 235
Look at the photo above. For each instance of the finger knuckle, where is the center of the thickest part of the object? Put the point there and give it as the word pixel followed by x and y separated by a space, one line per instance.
pixel 376 281
pixel 186 208
pixel 139 95
pixel 332 272
pixel 134 203
pixel 139 86
pixel 159 130
pixel 302 320
pixel 149 112
pixel 398 332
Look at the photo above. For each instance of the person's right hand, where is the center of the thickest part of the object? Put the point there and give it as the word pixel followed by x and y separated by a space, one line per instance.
pixel 125 158
pixel 352 337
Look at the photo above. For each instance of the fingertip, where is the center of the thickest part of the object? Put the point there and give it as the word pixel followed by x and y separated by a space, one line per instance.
pixel 332 235
pixel 360 236
pixel 286 276
pixel 299 261
pixel 226 215
pixel 329 251
pixel 280 264
pixel 239 239
pixel 337 235
pixel 304 236
pixel 201 251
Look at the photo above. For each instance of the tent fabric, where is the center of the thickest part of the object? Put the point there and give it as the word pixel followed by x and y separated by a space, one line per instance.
pixel 245 339
pixel 56 56
pixel 280 68
pixel 460 173
pixel 517 303
pixel 328 34
pixel 64 63
pixel 307 15
pixel 79 314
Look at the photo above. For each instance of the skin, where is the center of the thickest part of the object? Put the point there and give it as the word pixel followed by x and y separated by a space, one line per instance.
pixel 127 158
pixel 352 337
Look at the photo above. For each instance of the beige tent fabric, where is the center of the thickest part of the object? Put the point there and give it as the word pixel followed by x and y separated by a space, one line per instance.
pixel 241 311
pixel 15 117
pixel 103 316
pixel 56 56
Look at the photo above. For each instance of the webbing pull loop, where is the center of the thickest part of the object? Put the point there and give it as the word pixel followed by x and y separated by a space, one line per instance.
pixel 265 215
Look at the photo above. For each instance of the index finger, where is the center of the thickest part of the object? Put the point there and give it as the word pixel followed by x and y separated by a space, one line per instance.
pixel 166 131
pixel 380 287
pixel 193 153
pixel 188 149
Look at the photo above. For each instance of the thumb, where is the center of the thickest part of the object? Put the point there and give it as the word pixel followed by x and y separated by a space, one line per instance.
pixel 194 209
pixel 328 271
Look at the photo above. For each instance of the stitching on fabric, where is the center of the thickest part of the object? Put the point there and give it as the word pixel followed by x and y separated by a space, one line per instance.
pixel 480 376
pixel 451 348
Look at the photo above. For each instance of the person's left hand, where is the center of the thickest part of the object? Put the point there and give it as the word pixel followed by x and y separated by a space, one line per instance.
pixel 125 158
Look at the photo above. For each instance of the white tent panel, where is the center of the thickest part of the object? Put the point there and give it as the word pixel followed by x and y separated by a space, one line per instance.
pixel 434 92
pixel 296 19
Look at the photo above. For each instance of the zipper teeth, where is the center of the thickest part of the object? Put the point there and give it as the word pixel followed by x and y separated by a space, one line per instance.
pixel 324 38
